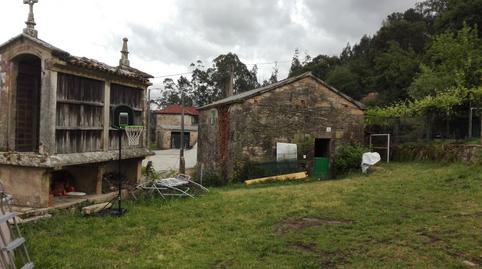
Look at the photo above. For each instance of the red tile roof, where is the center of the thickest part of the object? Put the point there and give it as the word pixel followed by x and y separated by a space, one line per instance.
pixel 176 109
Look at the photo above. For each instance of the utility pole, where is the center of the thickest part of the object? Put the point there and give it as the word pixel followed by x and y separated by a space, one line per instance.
pixel 182 162
pixel 230 88
pixel 148 117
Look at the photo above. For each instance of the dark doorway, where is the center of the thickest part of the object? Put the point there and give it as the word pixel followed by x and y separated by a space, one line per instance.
pixel 321 161
pixel 322 147
pixel 27 104
pixel 176 140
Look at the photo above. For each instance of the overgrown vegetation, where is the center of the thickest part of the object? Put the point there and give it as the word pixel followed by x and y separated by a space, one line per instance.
pixel 348 158
pixel 401 216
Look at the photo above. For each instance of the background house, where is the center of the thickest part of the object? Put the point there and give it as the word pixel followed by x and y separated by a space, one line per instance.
pixel 247 127
pixel 168 127
pixel 55 113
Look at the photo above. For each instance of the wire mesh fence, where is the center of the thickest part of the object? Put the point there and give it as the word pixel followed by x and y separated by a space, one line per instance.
pixel 268 169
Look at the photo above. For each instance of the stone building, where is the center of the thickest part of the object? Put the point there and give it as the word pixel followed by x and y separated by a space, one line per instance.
pixel 302 110
pixel 55 113
pixel 168 127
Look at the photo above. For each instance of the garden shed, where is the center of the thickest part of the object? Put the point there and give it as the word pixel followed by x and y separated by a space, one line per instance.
pixel 56 114
pixel 246 128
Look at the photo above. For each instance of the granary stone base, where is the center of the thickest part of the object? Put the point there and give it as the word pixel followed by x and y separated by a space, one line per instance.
pixel 30 186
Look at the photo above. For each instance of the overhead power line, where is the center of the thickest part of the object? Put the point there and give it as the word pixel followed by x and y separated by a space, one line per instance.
pixel 188 73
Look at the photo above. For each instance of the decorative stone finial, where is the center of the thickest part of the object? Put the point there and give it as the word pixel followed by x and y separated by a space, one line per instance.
pixel 124 61
pixel 30 30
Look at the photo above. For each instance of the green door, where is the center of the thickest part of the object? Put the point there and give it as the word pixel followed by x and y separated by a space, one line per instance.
pixel 321 167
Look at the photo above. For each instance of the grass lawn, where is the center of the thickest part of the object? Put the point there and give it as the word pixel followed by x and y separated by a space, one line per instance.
pixel 402 215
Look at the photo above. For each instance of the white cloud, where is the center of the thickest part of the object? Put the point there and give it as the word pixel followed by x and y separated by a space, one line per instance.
pixel 166 36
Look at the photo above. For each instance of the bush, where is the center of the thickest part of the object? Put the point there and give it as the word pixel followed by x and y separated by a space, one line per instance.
pixel 348 157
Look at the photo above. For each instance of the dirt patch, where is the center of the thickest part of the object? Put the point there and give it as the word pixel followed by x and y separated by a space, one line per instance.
pixel 303 223
pixel 326 259
pixel 431 238
pixel 466 259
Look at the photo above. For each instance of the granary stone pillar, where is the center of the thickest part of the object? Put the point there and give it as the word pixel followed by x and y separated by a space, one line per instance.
pixel 11 106
pixel 48 106
pixel 4 101
pixel 105 133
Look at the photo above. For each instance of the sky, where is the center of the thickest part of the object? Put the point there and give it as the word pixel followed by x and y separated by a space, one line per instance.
pixel 166 36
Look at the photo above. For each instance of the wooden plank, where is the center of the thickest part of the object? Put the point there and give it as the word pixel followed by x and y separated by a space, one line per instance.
pixel 293 176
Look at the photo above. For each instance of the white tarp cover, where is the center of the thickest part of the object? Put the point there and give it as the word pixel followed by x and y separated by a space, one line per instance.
pixel 368 159
pixel 286 152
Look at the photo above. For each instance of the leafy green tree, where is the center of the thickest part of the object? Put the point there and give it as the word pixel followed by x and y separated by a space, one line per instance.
pixel 296 66
pixel 452 59
pixel 395 69
pixel 244 79
pixel 453 14
pixel 273 78
pixel 344 80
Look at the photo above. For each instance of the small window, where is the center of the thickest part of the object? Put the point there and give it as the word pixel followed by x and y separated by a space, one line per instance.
pixel 194 120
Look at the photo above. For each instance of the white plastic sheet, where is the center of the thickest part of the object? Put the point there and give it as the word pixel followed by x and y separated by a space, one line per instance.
pixel 369 159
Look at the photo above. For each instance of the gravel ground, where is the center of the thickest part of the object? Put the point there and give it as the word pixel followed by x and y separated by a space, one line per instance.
pixel 169 159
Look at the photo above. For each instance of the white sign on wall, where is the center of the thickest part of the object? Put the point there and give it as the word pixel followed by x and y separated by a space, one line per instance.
pixel 286 152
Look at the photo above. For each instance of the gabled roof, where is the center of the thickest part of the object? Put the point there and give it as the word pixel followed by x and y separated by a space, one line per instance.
pixel 177 109
pixel 84 62
pixel 248 94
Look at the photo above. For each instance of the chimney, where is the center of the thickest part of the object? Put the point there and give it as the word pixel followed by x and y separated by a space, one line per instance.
pixel 124 61
pixel 30 29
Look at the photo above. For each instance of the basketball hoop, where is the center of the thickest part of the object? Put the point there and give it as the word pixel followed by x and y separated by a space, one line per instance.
pixel 133 133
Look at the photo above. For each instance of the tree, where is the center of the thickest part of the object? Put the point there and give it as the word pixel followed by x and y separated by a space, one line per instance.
pixel 452 59
pixel 296 66
pixel 453 14
pixel 344 80
pixel 244 79
pixel 395 69
pixel 274 76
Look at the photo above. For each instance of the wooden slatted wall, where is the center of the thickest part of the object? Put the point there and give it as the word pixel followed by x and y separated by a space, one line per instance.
pixel 79 118
pixel 124 95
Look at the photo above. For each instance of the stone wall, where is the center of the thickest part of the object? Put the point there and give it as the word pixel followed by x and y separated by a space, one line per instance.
pixel 170 119
pixel 440 152
pixel 295 112
pixel 29 186
pixel 163 138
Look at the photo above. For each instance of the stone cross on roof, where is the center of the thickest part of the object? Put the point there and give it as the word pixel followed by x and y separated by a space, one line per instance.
pixel 30 30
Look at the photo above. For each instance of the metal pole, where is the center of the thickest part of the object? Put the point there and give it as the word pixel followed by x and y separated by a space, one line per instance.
pixel 119 172
pixel 481 127
pixel 182 164
pixel 469 135
pixel 371 149
pixel 148 116
pixel 388 148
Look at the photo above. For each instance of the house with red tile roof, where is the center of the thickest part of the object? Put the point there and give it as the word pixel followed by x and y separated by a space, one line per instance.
pixel 167 134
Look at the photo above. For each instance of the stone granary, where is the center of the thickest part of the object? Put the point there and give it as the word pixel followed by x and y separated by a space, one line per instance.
pixel 55 114
pixel 247 127
pixel 168 127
